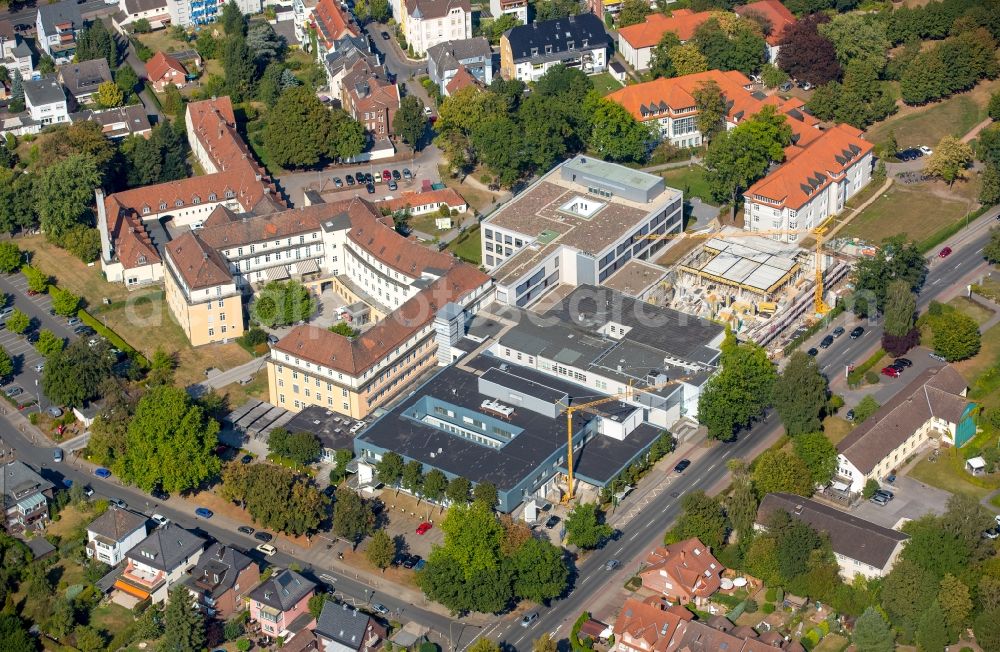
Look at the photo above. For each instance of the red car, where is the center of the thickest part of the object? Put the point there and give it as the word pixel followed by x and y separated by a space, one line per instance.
pixel 944 253
pixel 423 527
pixel 891 372
pixel 386 175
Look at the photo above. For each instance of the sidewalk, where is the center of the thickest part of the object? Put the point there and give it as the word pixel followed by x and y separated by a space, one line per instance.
pixel 694 160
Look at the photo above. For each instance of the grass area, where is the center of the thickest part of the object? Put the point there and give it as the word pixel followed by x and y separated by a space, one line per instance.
pixel 161 41
pixel 913 210
pixel 861 197
pixel 987 357
pixel 691 180
pixel 832 643
pixel 237 394
pixel 159 330
pixel 425 223
pixel 604 83
pixel 836 428
pixel 973 309
pixel 948 473
pixel 111 617
pixel 678 250
pixel 468 246
pixel 480 199
pixel 70 273
pixel 70 518
pixel 926 125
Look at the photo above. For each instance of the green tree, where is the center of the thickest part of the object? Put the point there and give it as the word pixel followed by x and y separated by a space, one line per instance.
pixel 993 107
pixel 987 629
pixel 161 368
pixel 10 257
pixel 233 20
pixel 458 492
pixel 6 364
pixel 265 44
pixel 800 394
pixel 96 42
pixel 956 603
pixel 687 59
pixel 128 82
pixel 410 123
pixel 389 470
pixel 738 393
pixel 950 157
pixel 545 643
pixel 381 550
pixel 703 517
pixel 275 496
pixel 15 635
pixel 660 62
pixel 60 618
pixel 741 505
pixel 169 442
pixel 616 135
pixel 539 570
pixel 781 471
pixel 300 130
pixel 772 76
pixel 37 280
pixel 413 477
pixel 956 336
pixel 866 407
pixel 871 486
pixel 239 68
pixel 353 518
pixel 65 194
pixel 88 639
pixel 818 454
pixel 712 108
pixel 500 145
pixel 992 249
pixel 932 632
pixel 895 259
pixel 109 95
pixel 484 645
pixel 343 328
pixel 872 633
pixel 47 344
pixel 173 101
pixel 183 623
pixel 435 485
pixel 495 28
pixel 858 37
pixel 737 158
pixel 585 526
pixel 301 447
pixel 282 303
pixel 18 322
pixel 348 135
pixel 632 12
pixel 485 493
pixel 64 302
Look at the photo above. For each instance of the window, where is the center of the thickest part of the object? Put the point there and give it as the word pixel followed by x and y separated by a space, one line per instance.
pixel 145 210
pixel 230 194
pixel 163 205
pixel 222 305
pixel 179 202
pixel 224 328
pixel 212 196
pixel 211 332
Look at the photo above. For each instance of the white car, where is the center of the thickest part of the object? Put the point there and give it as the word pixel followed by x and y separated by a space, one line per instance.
pixel 927 151
pixel 160 519
pixel 427 111
pixel 267 549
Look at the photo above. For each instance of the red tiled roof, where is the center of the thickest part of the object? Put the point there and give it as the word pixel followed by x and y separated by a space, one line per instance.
pixel 162 63
pixel 677 93
pixel 813 167
pixel 332 23
pixel 462 79
pixel 689 563
pixel 199 265
pixel 413 199
pixel 649 622
pixel 775 12
pixel 133 246
pixel 682 22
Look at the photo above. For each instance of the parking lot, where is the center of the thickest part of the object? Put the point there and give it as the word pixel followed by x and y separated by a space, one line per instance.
pixel 912 499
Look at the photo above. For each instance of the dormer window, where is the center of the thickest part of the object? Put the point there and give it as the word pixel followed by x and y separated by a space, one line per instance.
pixel 142 260
pixel 196 199
pixel 179 203
pixel 163 205
pixel 230 194
pixel 145 210
pixel 212 197
pixel 534 52
pixel 548 49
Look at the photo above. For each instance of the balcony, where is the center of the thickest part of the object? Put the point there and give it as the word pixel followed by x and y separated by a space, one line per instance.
pixel 270 614
pixel 143 578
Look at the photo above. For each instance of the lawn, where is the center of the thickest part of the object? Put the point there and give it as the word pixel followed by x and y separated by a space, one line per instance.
pixel 237 394
pixel 604 83
pixel 70 273
pixel 973 309
pixel 928 124
pixel 162 41
pixel 912 210
pixel 836 428
pixel 832 643
pixel 948 473
pixel 691 180
pixel 159 330
pixel 468 246
pixel 425 223
pixel 111 617
pixel 987 357
pixel 480 199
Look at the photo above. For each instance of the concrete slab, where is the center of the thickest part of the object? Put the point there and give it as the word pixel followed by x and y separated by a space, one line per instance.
pixel 913 499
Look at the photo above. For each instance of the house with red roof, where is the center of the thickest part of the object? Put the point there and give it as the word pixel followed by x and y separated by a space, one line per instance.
pixel 683 572
pixel 164 69
pixel 636 42
pixel 773 13
pixel 331 23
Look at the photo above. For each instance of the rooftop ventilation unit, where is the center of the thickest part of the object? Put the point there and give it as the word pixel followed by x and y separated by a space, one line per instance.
pixel 498 407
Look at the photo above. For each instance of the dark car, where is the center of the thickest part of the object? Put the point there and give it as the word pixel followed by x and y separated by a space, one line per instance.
pixel 360 176
pixel 246 459
pixel 385 36
pixel 813 352
pixel 787 86
pixel 944 253
pixel 396 175
pixel 349 179
pixel 263 536
pixel 683 464
pixel 407 174
pixel 551 522
pixel 245 529
pixel 83 331
pixel 370 188
pixel 857 332
pixel 850 414
pixel 204 512
pixel 159 494
pixel 903 362
pixel 826 342
pixel 838 331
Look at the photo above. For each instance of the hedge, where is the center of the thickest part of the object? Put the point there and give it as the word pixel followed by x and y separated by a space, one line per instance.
pixel 854 378
pixel 112 337
pixel 946 232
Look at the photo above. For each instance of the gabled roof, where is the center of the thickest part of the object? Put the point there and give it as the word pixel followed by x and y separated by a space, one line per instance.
pixel 689 563
pixel 84 77
pixel 218 569
pixel 461 79
pixel 18 480
pixel 682 22
pixel 445 196
pixel 777 13
pixel 450 54
pixel 677 94
pixel 343 624
pixel 166 547
pixel 426 9
pixel 332 23
pixel 140 6
pixel 585 31
pixel 934 392
pixel 43 91
pixel 850 536
pixel 60 13
pixel 161 64
pixel 283 590
pixel 650 622
pixel 198 265
pixel 116 524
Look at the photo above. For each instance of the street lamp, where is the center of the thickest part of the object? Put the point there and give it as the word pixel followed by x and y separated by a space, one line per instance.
pixel 38 396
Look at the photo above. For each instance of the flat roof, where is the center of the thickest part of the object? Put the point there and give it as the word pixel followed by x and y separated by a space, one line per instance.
pixel 635 277
pixel 331 427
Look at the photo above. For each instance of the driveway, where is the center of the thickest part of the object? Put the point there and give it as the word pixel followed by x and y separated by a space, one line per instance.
pixel 913 499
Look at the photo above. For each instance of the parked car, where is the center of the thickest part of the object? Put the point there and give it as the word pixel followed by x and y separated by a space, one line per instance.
pixel 813 352
pixel 396 175
pixel 407 174
pixel 88 491
pixel 203 512
pixel 119 503
pixel 857 332
pixel 907 155
pixel 529 618
pixel 612 564
pixel 267 549
pixel 879 499
pixel 370 188
pixel 850 415
pixel 337 183
pixel 938 357
pixel 385 36
pixel 992 533
pixel 680 466
pixel 787 86
pixel 160 519
pixel 263 536
pixel 551 522
pixel 159 494
pixel 102 472
pixel 838 331
pixel 246 459
pixel 349 179
pixel 54 411
pixel 903 362
pixel 40 367
pixel 891 372
pixel 13 391
pixel 424 527
pixel 826 342
pixel 57 455
pixel 392 184
pixel 380 609
pixel 944 253
pixel 72 321
pixel 888 495
pixel 245 529
pixel 925 150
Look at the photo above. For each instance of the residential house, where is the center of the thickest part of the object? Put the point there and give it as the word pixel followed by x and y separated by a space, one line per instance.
pixel 57 26
pixel 647 625
pixel 370 98
pixel 423 203
pixel 201 291
pixel 346 629
pixel 859 546
pixel 636 42
pixel 15 54
pixel 26 496
pixel 447 60
pixel 302 11
pixel 331 23
pixel 683 572
pixel 426 23
pixel 350 54
pixel 187 13
pixel 157 563
pixel 221 579
pixel 774 13
pixel 121 121
pixel 82 79
pixel 163 69
pixel 527 51
pixel 516 8
pixel 280 604
pixel 157 12
pixel 933 407
pixel 45 102
pixel 114 533
pixel 814 182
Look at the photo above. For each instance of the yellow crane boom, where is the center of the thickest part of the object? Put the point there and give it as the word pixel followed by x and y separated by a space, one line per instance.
pixel 818 232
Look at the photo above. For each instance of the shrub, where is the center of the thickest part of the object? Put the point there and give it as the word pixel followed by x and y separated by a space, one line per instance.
pixel 871 377
pixel 750 606
pixel 767 608
pixel 770 594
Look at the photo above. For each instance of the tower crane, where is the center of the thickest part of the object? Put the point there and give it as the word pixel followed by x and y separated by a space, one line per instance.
pixel 818 232
pixel 573 409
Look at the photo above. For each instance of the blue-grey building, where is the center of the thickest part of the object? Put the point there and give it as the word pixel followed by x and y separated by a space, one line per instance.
pixel 445 60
